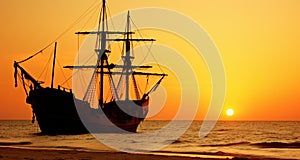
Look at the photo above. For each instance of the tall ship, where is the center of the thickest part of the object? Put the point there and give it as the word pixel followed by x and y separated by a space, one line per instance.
pixel 59 111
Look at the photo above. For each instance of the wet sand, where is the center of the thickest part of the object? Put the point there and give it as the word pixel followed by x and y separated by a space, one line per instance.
pixel 9 153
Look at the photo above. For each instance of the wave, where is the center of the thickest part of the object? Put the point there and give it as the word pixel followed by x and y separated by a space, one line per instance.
pixel 222 130
pixel 180 141
pixel 219 153
pixel 14 143
pixel 45 147
pixel 225 144
pixel 277 145
pixel 295 145
pixel 206 155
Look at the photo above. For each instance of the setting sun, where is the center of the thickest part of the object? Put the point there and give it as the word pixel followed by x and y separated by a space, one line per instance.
pixel 229 112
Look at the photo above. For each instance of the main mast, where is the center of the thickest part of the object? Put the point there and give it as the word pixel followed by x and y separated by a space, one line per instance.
pixel 127 58
pixel 101 52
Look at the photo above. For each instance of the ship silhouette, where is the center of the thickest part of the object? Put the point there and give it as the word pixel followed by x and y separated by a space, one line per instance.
pixel 58 111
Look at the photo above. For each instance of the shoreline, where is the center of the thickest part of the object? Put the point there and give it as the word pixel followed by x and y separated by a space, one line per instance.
pixel 16 153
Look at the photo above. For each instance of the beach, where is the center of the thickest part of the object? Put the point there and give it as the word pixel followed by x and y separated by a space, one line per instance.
pixel 8 153
pixel 36 154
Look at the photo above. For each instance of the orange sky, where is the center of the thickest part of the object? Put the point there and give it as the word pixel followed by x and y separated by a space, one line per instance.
pixel 258 41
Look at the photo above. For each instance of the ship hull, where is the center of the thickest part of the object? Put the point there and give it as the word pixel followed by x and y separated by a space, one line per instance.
pixel 58 112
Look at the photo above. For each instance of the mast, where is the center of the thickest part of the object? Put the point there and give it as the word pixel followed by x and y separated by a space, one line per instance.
pixel 103 67
pixel 127 59
pixel 53 66
pixel 102 54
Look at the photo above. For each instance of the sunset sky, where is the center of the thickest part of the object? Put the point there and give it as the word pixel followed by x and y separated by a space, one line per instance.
pixel 258 41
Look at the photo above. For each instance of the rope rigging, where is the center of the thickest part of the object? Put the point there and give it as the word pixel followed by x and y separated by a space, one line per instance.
pixel 149 48
pixel 85 13
pixel 46 67
pixel 24 75
pixel 116 88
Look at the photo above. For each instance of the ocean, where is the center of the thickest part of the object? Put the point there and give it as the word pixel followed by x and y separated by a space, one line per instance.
pixel 275 139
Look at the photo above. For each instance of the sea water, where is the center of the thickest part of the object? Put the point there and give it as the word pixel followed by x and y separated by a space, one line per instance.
pixel 257 138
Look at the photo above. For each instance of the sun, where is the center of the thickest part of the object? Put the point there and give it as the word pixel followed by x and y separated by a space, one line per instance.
pixel 229 112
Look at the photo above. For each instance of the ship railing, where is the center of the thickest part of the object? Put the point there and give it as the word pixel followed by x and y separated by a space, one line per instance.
pixel 64 89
